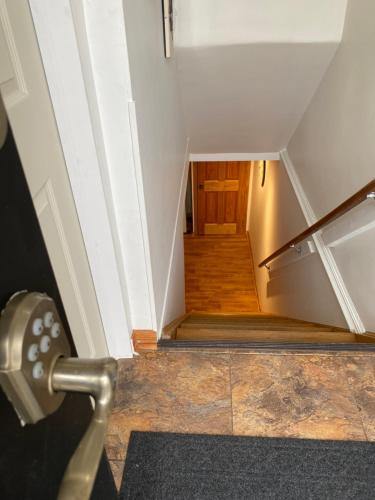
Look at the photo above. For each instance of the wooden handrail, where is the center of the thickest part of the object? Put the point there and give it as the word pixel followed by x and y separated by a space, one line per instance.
pixel 366 192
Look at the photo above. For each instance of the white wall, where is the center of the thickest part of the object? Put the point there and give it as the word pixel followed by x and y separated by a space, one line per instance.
pixel 333 152
pixel 219 22
pixel 108 84
pixel 297 287
pixel 162 144
pixel 174 302
pixel 132 147
pixel 248 69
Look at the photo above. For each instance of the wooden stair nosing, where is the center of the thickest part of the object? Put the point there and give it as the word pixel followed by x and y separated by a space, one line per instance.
pixel 169 331
pixel 266 346
pixel 195 312
pixel 256 326
pixel 224 317
pixel 260 321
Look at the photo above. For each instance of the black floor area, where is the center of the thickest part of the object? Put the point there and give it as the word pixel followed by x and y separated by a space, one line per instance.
pixel 182 466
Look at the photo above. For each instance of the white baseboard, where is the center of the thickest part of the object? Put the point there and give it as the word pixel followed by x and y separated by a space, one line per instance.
pixel 180 208
pixel 234 156
pixel 348 308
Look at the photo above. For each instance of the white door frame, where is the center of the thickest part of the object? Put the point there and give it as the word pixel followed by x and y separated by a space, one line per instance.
pixel 56 28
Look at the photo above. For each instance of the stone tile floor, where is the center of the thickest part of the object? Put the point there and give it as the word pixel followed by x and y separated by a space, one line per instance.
pixel 316 396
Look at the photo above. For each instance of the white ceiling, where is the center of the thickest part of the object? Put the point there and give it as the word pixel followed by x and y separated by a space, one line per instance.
pixel 248 69
pixel 222 22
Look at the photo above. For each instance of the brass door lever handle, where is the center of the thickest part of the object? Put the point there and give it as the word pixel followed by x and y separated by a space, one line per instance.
pixel 97 378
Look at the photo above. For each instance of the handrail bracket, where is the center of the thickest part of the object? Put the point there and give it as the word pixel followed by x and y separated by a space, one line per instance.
pixel 366 193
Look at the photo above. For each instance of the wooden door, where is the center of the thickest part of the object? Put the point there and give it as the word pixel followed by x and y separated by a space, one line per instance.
pixel 222 191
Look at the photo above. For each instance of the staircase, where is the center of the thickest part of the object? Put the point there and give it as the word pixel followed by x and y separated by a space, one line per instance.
pixel 259 331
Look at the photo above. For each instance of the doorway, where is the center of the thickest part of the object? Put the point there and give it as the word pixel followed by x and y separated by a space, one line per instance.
pixel 219 271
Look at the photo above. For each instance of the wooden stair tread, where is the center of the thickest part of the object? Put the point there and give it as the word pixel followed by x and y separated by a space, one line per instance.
pixel 254 322
pixel 257 326
pixel 265 335
pixel 260 314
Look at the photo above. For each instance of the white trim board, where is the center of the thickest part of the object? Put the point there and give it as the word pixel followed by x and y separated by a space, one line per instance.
pixel 342 294
pixel 118 149
pixel 304 249
pixel 74 111
pixel 233 156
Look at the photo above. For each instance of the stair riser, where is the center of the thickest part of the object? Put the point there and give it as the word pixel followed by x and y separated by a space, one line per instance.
pixel 254 326
pixel 263 336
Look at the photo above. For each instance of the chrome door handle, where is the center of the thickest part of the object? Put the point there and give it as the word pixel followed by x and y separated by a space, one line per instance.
pixel 97 378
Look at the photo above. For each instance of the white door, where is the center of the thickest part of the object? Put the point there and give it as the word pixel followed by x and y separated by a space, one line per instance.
pixel 25 95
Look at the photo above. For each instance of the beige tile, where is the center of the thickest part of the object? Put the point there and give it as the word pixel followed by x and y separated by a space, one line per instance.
pixel 293 396
pixel 117 467
pixel 323 395
pixel 208 350
pixel 173 392
pixel 114 447
pixel 361 376
pixel 287 352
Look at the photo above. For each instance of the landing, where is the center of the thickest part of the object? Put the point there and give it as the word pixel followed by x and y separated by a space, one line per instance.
pixel 219 275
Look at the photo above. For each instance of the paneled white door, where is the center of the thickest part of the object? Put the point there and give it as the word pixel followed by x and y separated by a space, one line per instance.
pixel 26 99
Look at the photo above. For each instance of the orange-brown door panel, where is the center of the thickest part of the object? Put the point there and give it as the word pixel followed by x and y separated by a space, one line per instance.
pixel 221 192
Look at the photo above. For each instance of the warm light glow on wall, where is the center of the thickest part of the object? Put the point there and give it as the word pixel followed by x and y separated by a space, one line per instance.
pixel 269 217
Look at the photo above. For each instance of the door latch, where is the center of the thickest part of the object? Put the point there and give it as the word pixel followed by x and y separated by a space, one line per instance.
pixel 32 339
pixel 36 372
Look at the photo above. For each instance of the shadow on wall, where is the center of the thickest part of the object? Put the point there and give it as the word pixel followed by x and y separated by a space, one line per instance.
pixel 298 287
pixel 333 152
pixel 242 98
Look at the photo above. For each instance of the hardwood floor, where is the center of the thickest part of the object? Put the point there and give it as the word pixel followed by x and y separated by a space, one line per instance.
pixel 219 275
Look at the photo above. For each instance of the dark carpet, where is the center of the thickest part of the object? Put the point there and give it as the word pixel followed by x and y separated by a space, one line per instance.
pixel 183 466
